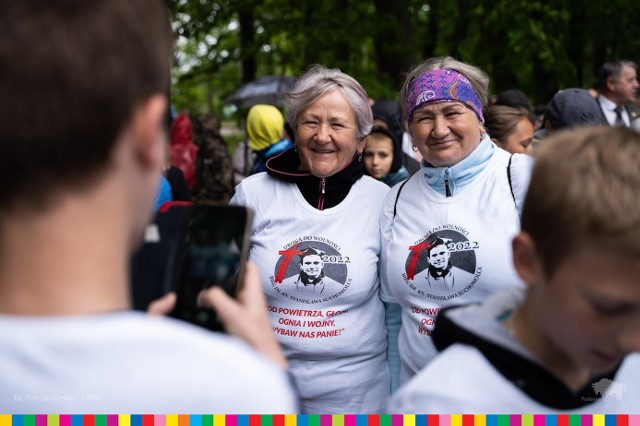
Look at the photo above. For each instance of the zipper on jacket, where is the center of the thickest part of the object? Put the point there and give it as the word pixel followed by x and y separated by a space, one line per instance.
pixel 321 198
pixel 446 183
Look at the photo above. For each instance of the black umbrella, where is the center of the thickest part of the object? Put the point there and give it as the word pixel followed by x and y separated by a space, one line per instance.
pixel 264 90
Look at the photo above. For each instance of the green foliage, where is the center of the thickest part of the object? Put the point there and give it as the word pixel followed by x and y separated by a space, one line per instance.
pixel 537 46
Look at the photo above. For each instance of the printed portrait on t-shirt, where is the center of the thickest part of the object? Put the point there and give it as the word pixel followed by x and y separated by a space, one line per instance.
pixel 442 264
pixel 311 271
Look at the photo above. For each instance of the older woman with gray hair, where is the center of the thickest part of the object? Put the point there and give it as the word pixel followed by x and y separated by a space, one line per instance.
pixel 467 193
pixel 315 195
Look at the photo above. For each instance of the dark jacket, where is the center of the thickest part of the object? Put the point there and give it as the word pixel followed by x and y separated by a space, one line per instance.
pixel 321 193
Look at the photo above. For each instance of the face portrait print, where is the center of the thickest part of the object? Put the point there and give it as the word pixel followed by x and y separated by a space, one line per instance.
pixel 311 272
pixel 439 258
pixel 312 266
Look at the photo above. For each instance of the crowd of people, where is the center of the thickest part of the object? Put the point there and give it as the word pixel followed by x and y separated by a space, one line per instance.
pixel 436 253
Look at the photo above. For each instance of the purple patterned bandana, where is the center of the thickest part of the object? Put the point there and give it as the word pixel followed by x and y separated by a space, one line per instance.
pixel 439 86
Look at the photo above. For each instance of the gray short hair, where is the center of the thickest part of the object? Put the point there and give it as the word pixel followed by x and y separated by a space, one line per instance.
pixel 612 70
pixel 319 80
pixel 479 79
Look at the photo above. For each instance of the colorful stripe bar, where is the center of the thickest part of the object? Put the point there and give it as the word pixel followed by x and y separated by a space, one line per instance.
pixel 319 420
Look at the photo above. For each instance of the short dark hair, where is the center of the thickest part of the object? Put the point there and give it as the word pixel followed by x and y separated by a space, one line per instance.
pixel 72 72
pixel 513 98
pixel 611 70
pixel 500 121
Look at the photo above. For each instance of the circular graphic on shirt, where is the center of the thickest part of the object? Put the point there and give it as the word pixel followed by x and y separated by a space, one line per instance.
pixel 442 264
pixel 311 270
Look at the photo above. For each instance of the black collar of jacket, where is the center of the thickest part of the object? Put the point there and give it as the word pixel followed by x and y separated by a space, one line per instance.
pixel 285 168
pixel 537 382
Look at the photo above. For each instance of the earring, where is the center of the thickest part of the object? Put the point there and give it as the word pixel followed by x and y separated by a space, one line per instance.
pixel 414 148
pixel 295 147
pixel 359 157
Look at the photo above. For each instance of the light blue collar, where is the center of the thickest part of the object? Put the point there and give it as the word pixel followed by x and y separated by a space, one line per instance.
pixel 463 172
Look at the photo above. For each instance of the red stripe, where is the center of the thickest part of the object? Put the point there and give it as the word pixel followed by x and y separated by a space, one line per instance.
pixel 147 420
pixel 563 420
pixel 433 420
pixel 278 420
pixel 88 420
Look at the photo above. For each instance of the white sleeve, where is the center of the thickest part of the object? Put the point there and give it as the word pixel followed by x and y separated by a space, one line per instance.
pixel 520 170
pixel 386 228
pixel 239 197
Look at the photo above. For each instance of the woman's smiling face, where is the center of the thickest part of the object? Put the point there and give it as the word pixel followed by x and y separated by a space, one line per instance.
pixel 445 132
pixel 326 135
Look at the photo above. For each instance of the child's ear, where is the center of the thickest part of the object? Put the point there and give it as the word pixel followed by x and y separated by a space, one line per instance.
pixel 148 131
pixel 525 259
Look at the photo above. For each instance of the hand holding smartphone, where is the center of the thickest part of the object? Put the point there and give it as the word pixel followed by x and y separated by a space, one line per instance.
pixel 215 252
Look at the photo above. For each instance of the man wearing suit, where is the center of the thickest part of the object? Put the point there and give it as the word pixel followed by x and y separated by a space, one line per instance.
pixel 617 85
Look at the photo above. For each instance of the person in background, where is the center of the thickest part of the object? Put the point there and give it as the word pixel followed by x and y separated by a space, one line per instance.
pixel 69 222
pixel 565 344
pixel 214 171
pixel 510 128
pixel 514 98
pixel 570 108
pixel 617 86
pixel 382 157
pixel 388 115
pixel 265 128
pixel 468 192
pixel 316 195
pixel 182 151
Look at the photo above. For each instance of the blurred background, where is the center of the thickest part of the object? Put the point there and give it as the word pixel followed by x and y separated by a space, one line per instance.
pixel 535 46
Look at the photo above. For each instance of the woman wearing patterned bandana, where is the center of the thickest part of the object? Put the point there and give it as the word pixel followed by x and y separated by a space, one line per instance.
pixel 466 198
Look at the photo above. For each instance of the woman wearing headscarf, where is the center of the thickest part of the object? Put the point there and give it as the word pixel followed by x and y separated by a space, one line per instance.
pixel 467 194
pixel 315 196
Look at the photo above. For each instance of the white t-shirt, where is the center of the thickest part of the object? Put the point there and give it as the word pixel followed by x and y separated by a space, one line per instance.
pixel 464 379
pixel 477 225
pixel 461 380
pixel 335 340
pixel 131 362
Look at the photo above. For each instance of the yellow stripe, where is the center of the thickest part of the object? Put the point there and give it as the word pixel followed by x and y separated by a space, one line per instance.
pixel 598 420
pixel 409 420
pixel 290 420
pixel 218 420
pixel 456 420
pixel 5 419
pixel 170 420
pixel 124 420
pixel 479 420
pixel 527 420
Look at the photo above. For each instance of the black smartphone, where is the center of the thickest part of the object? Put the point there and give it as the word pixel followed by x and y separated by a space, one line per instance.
pixel 215 252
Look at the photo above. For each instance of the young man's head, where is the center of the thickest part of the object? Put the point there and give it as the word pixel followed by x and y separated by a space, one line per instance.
pixel 311 264
pixel 77 77
pixel 439 255
pixel 579 252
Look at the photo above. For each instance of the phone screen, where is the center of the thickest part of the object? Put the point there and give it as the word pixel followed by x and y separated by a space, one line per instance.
pixel 215 253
